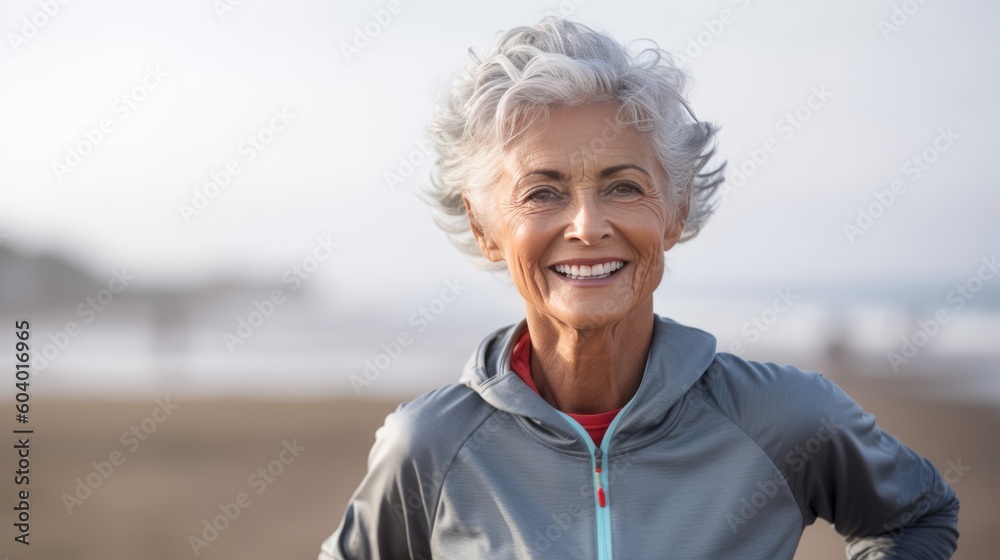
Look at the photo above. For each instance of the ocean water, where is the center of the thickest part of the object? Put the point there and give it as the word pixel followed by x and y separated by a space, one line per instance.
pixel 299 353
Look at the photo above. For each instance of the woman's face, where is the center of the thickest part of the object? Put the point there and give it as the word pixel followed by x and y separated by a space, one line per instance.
pixel 581 216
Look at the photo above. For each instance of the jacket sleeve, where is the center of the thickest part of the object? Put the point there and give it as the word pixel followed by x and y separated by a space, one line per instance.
pixel 888 501
pixel 388 515
pixel 391 514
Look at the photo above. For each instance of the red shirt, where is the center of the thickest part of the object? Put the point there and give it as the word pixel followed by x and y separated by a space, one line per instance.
pixel 595 424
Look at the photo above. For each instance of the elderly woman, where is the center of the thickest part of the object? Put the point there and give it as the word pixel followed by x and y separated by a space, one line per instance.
pixel 595 428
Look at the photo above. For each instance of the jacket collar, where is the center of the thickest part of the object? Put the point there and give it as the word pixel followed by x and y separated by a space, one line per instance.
pixel 678 356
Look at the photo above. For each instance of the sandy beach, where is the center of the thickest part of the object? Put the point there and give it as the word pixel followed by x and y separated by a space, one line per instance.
pixel 288 469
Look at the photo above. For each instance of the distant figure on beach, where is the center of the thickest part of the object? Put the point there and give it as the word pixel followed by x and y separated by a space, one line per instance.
pixel 593 427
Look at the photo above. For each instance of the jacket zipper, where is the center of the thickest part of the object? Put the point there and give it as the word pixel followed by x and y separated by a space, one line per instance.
pixel 603 512
pixel 601 497
pixel 598 460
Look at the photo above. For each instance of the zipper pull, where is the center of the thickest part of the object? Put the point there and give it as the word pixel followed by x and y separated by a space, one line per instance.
pixel 598 462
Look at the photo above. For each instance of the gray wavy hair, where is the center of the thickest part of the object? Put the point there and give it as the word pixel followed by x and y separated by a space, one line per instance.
pixel 559 62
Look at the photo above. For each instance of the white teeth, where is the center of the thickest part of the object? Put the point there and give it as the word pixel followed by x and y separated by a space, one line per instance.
pixel 590 272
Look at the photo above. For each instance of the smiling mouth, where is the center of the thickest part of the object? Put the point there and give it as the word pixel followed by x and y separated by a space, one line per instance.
pixel 585 272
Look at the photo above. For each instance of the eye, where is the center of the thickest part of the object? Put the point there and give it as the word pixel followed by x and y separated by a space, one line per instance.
pixel 542 194
pixel 625 188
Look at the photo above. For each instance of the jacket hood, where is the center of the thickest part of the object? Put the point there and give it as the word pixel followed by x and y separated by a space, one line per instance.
pixel 678 357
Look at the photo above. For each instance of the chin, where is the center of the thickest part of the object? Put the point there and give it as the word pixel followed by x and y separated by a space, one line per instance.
pixel 593 316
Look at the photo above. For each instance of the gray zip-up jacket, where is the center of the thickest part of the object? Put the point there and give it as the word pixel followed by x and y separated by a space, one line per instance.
pixel 714 457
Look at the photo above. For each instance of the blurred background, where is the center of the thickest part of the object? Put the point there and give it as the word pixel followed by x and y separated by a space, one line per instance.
pixel 208 216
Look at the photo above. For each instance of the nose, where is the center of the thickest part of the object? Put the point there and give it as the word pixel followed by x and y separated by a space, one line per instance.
pixel 589 224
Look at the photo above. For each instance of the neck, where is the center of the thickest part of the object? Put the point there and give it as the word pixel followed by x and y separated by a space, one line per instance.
pixel 590 370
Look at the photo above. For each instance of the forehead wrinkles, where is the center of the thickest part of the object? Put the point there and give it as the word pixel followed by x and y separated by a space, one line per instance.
pixel 577 148
pixel 577 160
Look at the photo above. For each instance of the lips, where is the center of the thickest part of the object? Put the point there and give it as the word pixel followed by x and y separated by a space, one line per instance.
pixel 594 271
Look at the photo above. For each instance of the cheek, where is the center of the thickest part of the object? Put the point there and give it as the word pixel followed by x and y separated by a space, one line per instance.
pixel 524 249
pixel 530 233
pixel 645 226
pixel 644 230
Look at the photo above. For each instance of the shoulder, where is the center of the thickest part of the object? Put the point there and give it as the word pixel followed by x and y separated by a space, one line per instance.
pixel 432 427
pixel 738 384
pixel 393 510
pixel 778 406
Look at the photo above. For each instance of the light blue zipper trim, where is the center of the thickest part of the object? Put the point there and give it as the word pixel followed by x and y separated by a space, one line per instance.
pixel 603 523
pixel 603 513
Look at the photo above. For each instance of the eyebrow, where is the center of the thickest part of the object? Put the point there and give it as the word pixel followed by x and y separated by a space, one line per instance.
pixel 558 176
pixel 550 173
pixel 612 170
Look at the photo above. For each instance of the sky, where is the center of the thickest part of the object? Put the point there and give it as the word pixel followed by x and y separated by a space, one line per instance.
pixel 201 140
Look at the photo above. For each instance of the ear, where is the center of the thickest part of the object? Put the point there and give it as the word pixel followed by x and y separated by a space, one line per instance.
pixel 675 228
pixel 486 245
